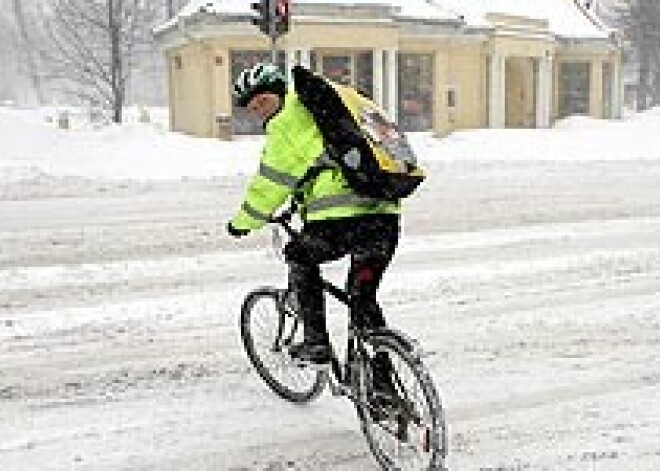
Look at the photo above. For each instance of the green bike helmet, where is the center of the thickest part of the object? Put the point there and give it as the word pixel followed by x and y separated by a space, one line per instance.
pixel 257 79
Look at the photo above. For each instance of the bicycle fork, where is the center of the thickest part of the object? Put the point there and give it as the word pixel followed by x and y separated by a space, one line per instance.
pixel 345 378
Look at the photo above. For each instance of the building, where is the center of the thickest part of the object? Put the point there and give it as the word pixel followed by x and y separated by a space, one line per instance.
pixel 433 65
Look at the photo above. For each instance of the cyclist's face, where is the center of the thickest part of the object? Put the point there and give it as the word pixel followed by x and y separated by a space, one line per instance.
pixel 264 105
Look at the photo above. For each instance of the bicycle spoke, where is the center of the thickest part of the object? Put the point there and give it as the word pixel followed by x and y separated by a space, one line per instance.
pixel 264 337
pixel 408 439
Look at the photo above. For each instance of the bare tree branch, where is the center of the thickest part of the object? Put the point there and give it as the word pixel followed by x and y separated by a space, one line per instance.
pixel 94 44
pixel 640 20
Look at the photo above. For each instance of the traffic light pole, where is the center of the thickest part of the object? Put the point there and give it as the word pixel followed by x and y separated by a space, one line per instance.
pixel 273 50
pixel 272 31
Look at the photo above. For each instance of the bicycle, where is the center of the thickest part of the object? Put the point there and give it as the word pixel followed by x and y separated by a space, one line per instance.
pixel 410 434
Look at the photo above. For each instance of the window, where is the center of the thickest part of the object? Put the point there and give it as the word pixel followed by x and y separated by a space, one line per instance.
pixel 364 73
pixel 242 122
pixel 451 98
pixel 415 91
pixel 338 68
pixel 574 88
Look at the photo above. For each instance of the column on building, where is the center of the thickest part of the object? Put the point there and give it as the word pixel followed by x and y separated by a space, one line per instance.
pixel 306 58
pixel 617 89
pixel 596 92
pixel 392 78
pixel 497 104
pixel 544 92
pixel 440 107
pixel 295 57
pixel 292 58
pixel 378 77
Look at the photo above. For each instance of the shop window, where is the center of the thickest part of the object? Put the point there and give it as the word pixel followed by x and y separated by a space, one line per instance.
pixel 243 122
pixel 352 68
pixel 415 91
pixel 451 98
pixel 574 88
pixel 364 73
pixel 338 68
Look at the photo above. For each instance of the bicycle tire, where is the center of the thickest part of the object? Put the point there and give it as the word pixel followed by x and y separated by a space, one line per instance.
pixel 431 437
pixel 310 383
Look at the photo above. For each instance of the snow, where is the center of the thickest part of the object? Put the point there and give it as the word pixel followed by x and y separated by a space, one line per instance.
pixel 564 17
pixel 132 151
pixel 146 151
pixel 528 270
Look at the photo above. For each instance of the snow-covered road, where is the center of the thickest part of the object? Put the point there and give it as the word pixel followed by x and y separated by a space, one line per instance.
pixel 534 287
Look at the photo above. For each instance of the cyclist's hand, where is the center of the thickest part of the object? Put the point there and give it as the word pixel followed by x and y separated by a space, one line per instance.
pixel 234 232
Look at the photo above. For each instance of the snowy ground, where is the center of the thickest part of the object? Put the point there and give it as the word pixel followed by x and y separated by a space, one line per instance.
pixel 532 281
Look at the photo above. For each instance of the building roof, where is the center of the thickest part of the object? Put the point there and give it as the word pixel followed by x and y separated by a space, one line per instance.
pixel 415 9
pixel 566 18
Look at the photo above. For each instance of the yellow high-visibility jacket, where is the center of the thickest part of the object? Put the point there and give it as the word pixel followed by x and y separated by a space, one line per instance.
pixel 293 145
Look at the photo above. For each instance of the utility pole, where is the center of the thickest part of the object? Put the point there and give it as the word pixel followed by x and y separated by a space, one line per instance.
pixel 170 9
pixel 272 32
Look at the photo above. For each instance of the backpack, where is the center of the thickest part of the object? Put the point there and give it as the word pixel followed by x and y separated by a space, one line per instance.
pixel 373 155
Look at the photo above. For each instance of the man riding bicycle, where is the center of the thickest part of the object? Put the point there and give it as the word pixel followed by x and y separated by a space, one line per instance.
pixel 337 221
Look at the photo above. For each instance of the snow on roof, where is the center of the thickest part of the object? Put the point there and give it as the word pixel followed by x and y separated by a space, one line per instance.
pixel 566 19
pixel 215 6
pixel 419 9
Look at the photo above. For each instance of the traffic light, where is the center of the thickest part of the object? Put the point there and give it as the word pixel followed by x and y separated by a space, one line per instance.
pixel 262 8
pixel 282 16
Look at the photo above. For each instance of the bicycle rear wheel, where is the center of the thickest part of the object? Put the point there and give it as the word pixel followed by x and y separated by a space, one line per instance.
pixel 267 328
pixel 413 437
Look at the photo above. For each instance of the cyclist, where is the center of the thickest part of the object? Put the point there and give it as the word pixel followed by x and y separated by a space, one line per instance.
pixel 337 221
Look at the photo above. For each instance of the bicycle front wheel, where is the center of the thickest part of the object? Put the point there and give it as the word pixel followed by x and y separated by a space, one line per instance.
pixel 267 329
pixel 412 436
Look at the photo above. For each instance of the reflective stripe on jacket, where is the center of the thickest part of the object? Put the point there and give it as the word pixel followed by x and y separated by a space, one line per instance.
pixel 293 145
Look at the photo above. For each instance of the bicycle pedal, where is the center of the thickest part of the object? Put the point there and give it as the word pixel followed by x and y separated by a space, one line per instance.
pixel 323 367
pixel 339 390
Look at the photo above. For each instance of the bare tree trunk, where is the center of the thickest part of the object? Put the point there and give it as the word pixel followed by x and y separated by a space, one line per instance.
pixel 643 78
pixel 28 50
pixel 115 10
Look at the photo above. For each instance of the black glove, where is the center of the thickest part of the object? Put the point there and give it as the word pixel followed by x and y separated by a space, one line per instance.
pixel 236 232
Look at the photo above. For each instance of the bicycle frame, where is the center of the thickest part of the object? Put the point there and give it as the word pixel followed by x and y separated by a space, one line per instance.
pixel 413 418
pixel 355 333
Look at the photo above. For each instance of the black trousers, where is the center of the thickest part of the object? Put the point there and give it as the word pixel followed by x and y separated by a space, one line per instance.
pixel 369 240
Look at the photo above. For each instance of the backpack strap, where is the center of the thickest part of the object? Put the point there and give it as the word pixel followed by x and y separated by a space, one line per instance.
pixel 324 162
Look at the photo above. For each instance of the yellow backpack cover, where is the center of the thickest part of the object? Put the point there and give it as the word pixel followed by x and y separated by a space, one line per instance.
pixel 373 154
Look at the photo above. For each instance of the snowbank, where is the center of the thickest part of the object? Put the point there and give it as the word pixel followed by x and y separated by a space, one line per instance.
pixel 32 146
pixel 576 138
pixel 140 151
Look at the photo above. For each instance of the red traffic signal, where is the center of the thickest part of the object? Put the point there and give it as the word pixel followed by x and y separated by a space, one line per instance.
pixel 282 16
pixel 273 16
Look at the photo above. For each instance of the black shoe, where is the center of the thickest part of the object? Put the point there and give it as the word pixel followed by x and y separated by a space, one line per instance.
pixel 384 405
pixel 311 353
pixel 384 402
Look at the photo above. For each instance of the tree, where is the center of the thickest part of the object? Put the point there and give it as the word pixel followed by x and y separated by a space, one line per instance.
pixel 7 57
pixel 94 44
pixel 640 21
pixel 28 51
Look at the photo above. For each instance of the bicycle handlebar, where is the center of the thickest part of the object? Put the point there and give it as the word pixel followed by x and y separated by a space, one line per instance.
pixel 284 219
